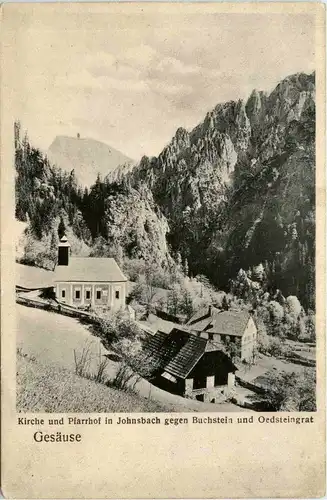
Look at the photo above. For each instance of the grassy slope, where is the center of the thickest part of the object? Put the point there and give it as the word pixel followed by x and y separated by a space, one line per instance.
pixel 53 389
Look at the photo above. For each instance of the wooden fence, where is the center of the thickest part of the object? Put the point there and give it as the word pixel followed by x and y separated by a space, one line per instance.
pixel 58 308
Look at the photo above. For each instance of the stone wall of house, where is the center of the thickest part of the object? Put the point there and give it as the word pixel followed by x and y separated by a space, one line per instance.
pixel 210 393
pixel 249 340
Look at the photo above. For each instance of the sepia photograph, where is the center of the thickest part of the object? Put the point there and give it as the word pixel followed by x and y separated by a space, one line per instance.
pixel 165 215
pixel 163 205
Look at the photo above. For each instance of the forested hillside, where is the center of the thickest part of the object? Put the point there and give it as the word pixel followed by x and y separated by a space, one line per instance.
pixel 234 195
pixel 109 219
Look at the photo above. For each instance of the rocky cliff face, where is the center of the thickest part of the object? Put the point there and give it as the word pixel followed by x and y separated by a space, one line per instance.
pixel 136 225
pixel 239 188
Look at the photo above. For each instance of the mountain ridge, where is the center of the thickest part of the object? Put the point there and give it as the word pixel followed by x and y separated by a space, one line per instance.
pixel 224 186
pixel 86 156
pixel 236 192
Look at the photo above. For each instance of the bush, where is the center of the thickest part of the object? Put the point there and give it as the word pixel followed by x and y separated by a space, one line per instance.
pixel 83 360
pixel 263 342
pixel 275 347
pixel 118 327
pixel 290 391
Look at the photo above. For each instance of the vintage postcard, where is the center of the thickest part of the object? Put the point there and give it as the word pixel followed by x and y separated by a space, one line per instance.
pixel 163 250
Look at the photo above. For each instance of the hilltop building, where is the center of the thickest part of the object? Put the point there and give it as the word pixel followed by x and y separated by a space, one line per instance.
pixel 189 366
pixel 88 281
pixel 227 327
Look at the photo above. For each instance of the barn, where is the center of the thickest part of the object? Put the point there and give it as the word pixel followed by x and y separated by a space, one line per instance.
pixel 188 365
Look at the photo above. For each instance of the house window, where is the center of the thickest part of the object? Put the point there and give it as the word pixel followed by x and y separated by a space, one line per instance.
pixel 88 294
pixel 98 294
pixel 200 382
pixel 210 336
pixel 117 294
pixel 77 294
pixel 63 293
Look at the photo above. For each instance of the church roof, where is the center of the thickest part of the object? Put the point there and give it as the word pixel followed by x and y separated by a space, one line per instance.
pixel 99 269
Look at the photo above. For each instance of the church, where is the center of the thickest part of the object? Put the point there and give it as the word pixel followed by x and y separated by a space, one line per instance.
pixel 88 281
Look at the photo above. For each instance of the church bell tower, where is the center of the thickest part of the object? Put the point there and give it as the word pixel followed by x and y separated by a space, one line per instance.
pixel 63 252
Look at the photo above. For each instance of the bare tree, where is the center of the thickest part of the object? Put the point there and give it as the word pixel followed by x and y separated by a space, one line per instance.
pixel 135 364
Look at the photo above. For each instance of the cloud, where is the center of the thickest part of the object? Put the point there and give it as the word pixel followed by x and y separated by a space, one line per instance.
pixel 123 84
pixel 167 89
pixel 175 66
pixel 132 81
pixel 138 57
pixel 139 69
pixel 77 80
pixel 99 63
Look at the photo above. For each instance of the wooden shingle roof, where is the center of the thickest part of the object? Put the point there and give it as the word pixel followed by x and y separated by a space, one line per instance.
pixel 229 322
pixel 177 353
pixel 187 357
pixel 201 325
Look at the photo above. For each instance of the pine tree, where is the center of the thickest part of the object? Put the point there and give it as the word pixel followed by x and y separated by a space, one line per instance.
pixel 179 260
pixel 61 228
pixel 186 268
pixel 225 303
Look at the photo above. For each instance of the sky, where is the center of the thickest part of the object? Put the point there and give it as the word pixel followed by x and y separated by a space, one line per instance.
pixel 131 79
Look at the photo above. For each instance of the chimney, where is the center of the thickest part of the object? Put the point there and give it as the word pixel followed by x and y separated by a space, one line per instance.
pixel 210 310
pixel 63 252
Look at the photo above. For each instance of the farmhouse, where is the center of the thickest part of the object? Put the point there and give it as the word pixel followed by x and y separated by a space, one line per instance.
pixel 188 365
pixel 88 281
pixel 226 327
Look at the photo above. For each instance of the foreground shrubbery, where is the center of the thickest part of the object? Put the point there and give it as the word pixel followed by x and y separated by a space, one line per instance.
pixel 276 315
pixel 42 388
pixel 290 391
pixel 125 338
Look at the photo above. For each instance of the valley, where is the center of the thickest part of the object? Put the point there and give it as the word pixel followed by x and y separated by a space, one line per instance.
pixel 222 218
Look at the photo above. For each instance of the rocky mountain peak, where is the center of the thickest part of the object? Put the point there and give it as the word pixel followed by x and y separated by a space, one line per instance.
pixel 87 157
pixel 179 142
pixel 256 106
pixel 232 171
